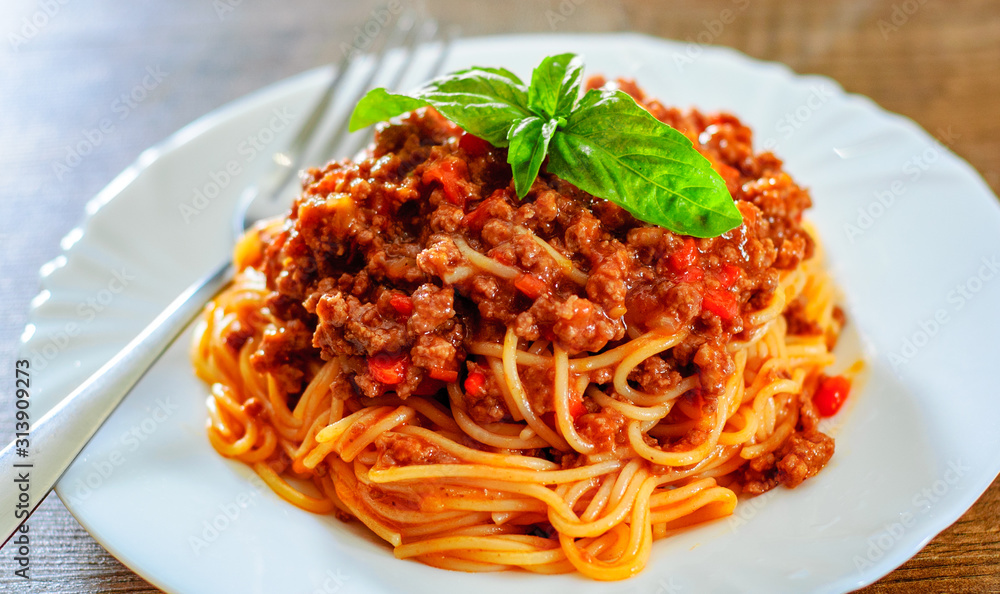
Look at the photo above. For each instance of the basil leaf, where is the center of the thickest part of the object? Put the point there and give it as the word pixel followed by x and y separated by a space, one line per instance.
pixel 513 78
pixel 379 105
pixel 529 142
pixel 483 101
pixel 605 144
pixel 615 149
pixel 555 85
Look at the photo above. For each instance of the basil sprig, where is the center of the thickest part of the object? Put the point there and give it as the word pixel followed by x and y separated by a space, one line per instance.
pixel 604 143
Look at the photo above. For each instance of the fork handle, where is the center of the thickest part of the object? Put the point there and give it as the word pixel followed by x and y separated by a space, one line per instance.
pixel 56 439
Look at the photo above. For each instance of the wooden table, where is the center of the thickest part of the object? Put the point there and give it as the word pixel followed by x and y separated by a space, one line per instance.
pixel 65 66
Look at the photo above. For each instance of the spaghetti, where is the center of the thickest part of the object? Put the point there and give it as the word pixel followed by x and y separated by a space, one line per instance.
pixel 548 385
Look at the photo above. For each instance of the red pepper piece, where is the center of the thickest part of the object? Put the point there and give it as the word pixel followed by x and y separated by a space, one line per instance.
pixel 691 274
pixel 728 275
pixel 529 285
pixel 451 173
pixel 388 369
pixel 474 145
pixel 474 383
pixel 832 393
pixel 445 375
pixel 720 302
pixel 402 304
pixel 683 258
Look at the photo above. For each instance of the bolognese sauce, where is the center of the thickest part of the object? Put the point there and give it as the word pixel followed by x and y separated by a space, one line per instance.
pixel 370 266
pixel 416 324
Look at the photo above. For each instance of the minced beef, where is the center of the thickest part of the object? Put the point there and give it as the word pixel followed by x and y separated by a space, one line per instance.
pixel 370 266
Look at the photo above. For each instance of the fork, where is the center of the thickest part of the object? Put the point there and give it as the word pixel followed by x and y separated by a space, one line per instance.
pixel 62 433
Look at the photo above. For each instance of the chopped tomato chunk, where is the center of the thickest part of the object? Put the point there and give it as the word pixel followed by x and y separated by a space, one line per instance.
pixel 451 173
pixel 402 304
pixel 692 274
pixel 445 375
pixel 388 369
pixel 686 256
pixel 728 275
pixel 831 394
pixel 474 383
pixel 473 145
pixel 476 218
pixel 720 302
pixel 576 407
pixel 529 285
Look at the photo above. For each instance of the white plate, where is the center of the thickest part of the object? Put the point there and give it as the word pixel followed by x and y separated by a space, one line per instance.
pixel 917 447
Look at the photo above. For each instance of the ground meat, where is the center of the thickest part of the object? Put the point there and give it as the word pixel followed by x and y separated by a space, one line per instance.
pixel 396 449
pixel 485 405
pixel 398 262
pixel 538 385
pixel 655 375
pixel 434 352
pixel 432 307
pixel 285 351
pixel 607 284
pixel 237 335
pixel 716 366
pixel 604 429
pixel 663 305
pixel 347 327
pixel 801 456
pixel 372 333
pixel 580 325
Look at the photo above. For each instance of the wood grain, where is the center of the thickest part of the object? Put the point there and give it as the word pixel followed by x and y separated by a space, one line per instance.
pixel 936 62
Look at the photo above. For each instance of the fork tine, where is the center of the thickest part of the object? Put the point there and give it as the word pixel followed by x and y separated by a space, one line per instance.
pixel 257 200
pixel 402 34
pixel 446 40
pixel 422 33
pixel 288 161
pixel 430 32
pixel 410 34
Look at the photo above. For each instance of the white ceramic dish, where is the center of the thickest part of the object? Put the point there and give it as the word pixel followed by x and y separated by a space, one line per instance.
pixel 917 447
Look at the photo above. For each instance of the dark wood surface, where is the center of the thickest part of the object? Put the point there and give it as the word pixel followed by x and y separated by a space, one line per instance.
pixel 937 62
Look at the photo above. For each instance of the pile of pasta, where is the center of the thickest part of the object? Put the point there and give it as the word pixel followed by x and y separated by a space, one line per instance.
pixel 484 497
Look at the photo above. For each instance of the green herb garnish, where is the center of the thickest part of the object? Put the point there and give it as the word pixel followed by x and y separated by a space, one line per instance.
pixel 603 143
